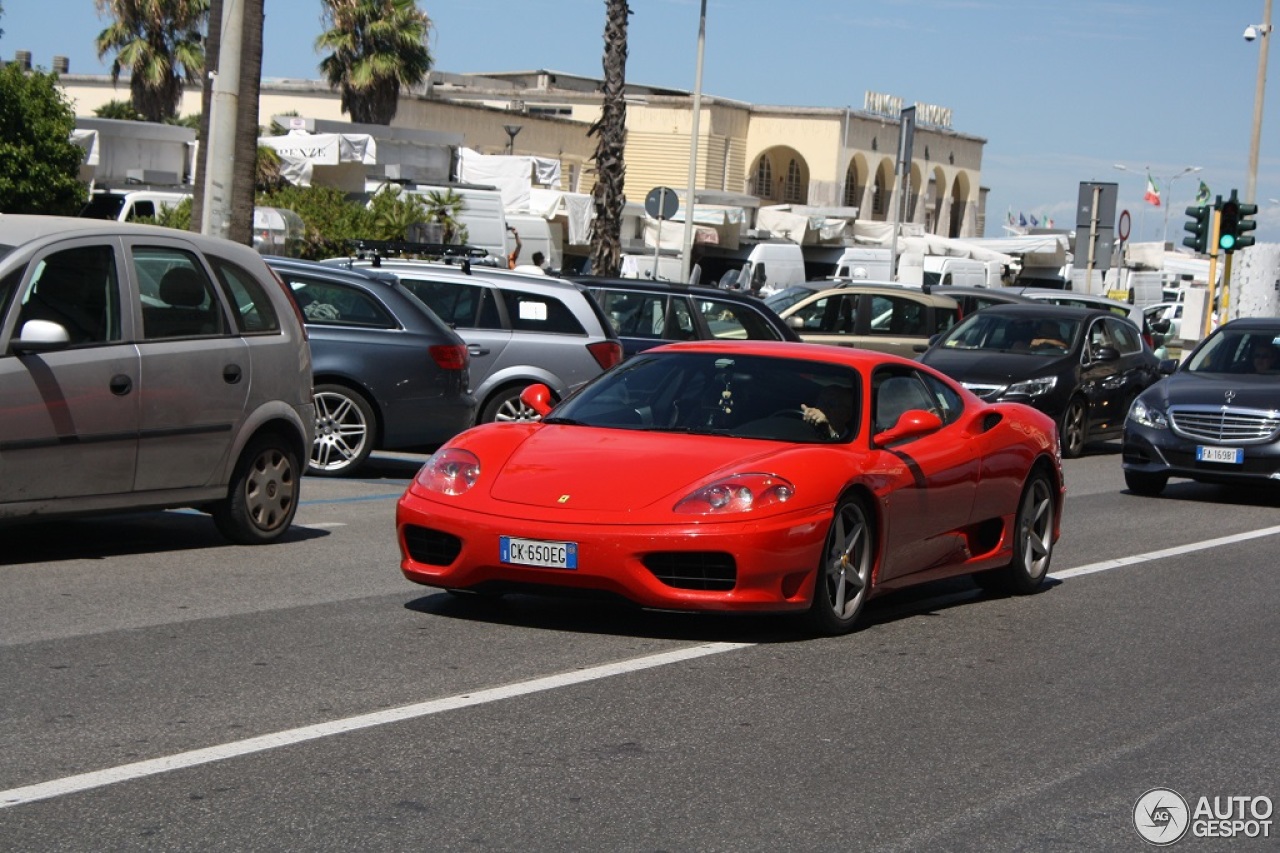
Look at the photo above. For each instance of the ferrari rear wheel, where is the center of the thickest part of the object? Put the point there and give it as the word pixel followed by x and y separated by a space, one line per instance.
pixel 1032 542
pixel 844 577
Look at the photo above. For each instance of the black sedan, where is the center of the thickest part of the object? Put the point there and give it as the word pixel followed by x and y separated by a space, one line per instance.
pixel 1081 366
pixel 388 373
pixel 1216 419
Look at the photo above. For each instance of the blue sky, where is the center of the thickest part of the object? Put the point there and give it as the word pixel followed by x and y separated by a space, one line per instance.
pixel 1062 90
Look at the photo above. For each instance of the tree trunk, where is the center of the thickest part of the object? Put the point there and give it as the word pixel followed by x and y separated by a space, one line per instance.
pixel 606 241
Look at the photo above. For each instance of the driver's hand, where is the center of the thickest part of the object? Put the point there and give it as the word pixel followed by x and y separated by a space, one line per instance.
pixel 813 415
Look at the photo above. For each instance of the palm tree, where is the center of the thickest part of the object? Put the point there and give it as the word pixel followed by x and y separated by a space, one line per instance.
pixel 443 207
pixel 377 47
pixel 611 127
pixel 160 43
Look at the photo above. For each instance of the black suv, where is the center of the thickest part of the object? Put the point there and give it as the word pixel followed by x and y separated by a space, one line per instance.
pixel 648 313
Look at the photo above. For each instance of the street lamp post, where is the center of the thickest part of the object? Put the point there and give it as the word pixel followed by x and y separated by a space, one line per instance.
pixel 1262 31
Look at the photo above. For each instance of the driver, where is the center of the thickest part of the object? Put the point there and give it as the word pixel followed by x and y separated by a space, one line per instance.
pixel 832 415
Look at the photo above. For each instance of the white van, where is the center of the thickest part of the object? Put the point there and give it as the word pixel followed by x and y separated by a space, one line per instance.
pixel 483 215
pixel 772 266
pixel 865 263
pixel 537 234
pixel 661 268
pixel 131 205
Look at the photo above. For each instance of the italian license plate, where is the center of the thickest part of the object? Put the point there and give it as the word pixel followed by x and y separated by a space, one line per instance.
pixel 1230 455
pixel 534 552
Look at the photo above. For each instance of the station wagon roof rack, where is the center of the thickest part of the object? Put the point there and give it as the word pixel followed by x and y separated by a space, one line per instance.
pixel 451 253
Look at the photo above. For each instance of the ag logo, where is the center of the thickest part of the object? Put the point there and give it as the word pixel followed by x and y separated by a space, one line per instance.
pixel 1161 816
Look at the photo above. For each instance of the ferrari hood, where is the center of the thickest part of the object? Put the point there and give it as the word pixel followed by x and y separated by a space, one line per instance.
pixel 584 468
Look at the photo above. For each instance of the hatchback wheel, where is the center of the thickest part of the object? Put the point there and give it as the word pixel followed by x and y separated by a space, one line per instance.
pixel 505 405
pixel 262 496
pixel 345 430
pixel 1074 429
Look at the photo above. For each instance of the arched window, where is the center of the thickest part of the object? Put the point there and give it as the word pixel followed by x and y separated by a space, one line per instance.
pixel 792 189
pixel 851 187
pixel 764 178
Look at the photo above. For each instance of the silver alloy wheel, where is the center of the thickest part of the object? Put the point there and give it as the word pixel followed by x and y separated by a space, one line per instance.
pixel 1074 429
pixel 270 488
pixel 342 431
pixel 1035 531
pixel 509 407
pixel 846 571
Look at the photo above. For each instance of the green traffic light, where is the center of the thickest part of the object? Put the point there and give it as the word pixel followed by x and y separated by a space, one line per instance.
pixel 1227 241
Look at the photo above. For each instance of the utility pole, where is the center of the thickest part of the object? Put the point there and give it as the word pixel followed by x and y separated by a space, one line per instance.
pixel 219 159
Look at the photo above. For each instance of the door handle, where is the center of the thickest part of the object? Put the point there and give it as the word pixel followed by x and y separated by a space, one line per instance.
pixel 231 374
pixel 476 349
pixel 120 385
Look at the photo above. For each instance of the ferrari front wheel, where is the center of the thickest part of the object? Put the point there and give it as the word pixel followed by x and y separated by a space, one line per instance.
pixel 1032 542
pixel 844 576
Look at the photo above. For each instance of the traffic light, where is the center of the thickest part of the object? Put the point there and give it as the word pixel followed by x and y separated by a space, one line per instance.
pixel 1198 225
pixel 1243 224
pixel 1229 225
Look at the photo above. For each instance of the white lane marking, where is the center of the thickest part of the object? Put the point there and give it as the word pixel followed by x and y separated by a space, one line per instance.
pixel 137 770
pixel 1120 562
pixel 322 525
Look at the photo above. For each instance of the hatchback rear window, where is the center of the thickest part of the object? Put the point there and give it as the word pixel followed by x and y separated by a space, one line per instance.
pixel 535 312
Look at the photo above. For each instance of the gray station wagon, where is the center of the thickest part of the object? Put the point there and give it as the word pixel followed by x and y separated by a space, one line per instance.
pixel 145 368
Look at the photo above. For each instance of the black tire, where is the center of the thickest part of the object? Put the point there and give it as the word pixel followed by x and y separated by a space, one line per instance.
pixel 1145 484
pixel 346 428
pixel 505 406
pixel 262 496
pixel 1073 430
pixel 1032 542
pixel 843 579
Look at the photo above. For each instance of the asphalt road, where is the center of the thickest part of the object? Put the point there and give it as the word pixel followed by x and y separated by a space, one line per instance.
pixel 163 690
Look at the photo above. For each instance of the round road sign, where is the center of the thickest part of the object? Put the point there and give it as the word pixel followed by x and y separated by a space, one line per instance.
pixel 661 203
pixel 1122 230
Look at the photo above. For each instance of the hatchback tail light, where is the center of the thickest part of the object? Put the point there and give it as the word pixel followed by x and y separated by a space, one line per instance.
pixel 606 353
pixel 449 356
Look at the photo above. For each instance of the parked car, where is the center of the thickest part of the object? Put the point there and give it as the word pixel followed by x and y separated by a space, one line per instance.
pixel 883 317
pixel 1081 366
pixel 1081 300
pixel 758 476
pixel 648 313
pixel 1216 419
pixel 972 299
pixel 519 328
pixel 146 368
pixel 388 373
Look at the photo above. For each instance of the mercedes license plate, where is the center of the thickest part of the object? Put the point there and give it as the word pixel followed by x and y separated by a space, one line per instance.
pixel 533 552
pixel 1230 455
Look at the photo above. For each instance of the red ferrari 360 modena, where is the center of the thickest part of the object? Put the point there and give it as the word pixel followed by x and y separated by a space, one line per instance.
pixel 743 476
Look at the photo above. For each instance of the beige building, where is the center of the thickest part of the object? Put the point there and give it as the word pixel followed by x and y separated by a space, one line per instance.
pixel 820 157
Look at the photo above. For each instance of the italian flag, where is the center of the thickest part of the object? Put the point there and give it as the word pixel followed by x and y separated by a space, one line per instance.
pixel 1153 192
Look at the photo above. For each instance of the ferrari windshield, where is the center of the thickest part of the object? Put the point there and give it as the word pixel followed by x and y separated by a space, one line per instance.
pixel 1051 336
pixel 721 394
pixel 1239 351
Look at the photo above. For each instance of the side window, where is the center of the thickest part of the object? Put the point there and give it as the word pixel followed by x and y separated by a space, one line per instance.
pixel 254 311
pixel 142 210
pixel 680 326
pixel 895 391
pixel 461 305
pixel 178 300
pixel 943 319
pixel 536 312
pixel 1098 337
pixel 950 403
pixel 834 315
pixel 1125 336
pixel 327 303
pixel 78 289
pixel 636 315
pixel 891 315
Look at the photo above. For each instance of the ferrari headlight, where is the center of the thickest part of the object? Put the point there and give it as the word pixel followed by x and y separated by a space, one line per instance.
pixel 450 471
pixel 1143 414
pixel 739 493
pixel 1033 387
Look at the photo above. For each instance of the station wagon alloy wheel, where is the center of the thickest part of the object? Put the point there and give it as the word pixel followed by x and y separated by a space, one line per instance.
pixel 344 431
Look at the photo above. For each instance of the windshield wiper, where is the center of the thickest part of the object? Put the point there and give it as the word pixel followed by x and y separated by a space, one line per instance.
pixel 565 421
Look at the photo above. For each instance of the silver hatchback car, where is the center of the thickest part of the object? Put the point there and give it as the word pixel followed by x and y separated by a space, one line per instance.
pixel 145 368
pixel 520 328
